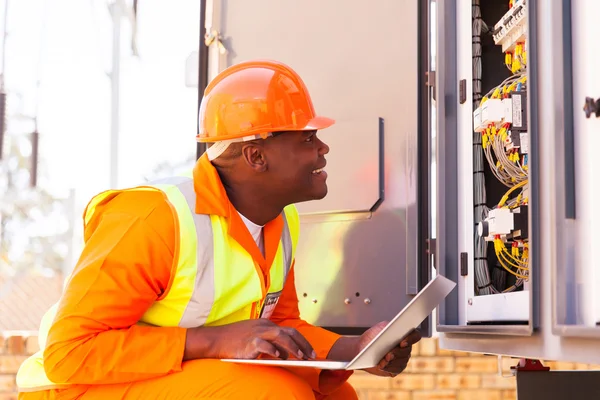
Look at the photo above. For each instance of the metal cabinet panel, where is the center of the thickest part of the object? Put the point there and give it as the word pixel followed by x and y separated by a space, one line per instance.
pixel 358 259
pixel 562 324
pixel 576 205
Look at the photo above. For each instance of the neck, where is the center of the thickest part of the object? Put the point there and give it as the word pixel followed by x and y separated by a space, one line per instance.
pixel 253 203
pixel 255 208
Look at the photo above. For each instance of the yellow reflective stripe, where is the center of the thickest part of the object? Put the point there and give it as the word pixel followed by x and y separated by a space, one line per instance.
pixel 283 259
pixel 170 313
pixel 278 271
pixel 90 209
pixel 236 285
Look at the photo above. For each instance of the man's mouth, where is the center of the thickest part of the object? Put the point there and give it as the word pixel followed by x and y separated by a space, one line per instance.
pixel 317 171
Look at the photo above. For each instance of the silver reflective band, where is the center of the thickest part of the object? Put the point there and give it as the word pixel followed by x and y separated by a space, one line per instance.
pixel 201 302
pixel 286 242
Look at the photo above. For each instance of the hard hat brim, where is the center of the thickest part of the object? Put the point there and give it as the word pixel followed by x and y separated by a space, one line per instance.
pixel 318 123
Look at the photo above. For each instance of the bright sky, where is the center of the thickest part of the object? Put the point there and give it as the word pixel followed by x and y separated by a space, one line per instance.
pixel 67 45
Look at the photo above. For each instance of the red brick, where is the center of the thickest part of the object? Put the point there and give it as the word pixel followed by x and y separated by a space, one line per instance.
pixel 16 345
pixel 361 380
pixel 560 366
pixel 458 381
pixel 32 346
pixel 479 364
pixel 480 395
pixel 508 362
pixel 586 367
pixel 10 364
pixel 7 383
pixel 428 347
pixel 416 349
pixel 435 395
pixel 414 382
pixel 431 365
pixel 509 394
pixel 498 382
pixel 451 353
pixel 387 395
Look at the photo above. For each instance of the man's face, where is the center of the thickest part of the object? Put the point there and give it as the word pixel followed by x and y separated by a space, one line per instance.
pixel 295 165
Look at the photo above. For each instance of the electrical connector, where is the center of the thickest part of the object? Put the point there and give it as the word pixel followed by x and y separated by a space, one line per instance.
pixel 492 112
pixel 512 27
pixel 478 126
pixel 521 222
pixel 508 113
pixel 500 221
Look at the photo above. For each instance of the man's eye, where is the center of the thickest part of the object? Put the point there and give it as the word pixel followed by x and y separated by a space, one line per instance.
pixel 310 138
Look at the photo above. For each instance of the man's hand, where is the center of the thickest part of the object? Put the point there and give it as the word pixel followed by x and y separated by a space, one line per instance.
pixel 246 340
pixel 396 360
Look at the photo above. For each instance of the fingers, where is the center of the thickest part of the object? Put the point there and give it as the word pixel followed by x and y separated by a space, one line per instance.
pixel 301 342
pixel 396 367
pixel 380 325
pixel 401 352
pixel 285 339
pixel 412 338
pixel 263 347
pixel 396 360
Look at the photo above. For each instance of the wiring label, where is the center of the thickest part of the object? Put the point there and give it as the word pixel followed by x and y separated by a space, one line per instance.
pixel 524 142
pixel 516 106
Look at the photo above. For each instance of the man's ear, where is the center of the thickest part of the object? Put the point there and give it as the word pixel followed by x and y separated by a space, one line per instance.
pixel 254 155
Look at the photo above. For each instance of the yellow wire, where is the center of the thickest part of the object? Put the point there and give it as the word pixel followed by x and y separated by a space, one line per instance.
pixel 505 251
pixel 510 270
pixel 512 189
pixel 500 248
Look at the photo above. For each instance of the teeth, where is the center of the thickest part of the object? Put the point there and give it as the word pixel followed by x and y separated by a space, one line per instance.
pixel 317 171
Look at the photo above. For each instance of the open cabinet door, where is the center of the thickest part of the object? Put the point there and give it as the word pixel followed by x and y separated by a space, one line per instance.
pixel 361 254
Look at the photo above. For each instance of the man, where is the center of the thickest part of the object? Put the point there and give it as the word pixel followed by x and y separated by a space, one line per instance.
pixel 179 274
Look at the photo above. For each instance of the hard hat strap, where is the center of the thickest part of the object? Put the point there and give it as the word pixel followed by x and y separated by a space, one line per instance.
pixel 218 148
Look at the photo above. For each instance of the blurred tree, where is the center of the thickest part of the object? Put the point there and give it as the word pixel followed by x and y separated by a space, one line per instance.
pixel 34 224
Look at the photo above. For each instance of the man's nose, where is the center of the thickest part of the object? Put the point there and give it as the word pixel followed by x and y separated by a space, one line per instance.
pixel 323 148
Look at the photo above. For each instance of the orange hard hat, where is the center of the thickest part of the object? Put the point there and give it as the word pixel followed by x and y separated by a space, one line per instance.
pixel 253 99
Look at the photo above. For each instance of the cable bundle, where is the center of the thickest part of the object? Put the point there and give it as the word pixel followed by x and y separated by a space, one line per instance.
pixel 482 273
pixel 495 144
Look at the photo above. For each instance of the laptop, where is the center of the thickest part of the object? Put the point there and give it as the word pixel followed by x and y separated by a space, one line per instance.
pixel 407 320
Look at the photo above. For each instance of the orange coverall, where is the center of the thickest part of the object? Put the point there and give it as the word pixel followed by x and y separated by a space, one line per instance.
pixel 95 345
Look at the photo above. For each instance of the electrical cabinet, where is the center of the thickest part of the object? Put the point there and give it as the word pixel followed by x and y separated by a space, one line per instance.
pixel 523 254
pixel 485 166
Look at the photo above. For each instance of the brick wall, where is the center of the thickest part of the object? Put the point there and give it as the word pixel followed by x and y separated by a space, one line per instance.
pixel 433 374
pixel 13 350
pixel 436 374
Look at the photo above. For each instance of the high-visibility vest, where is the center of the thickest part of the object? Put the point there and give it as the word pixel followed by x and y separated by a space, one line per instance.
pixel 215 282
